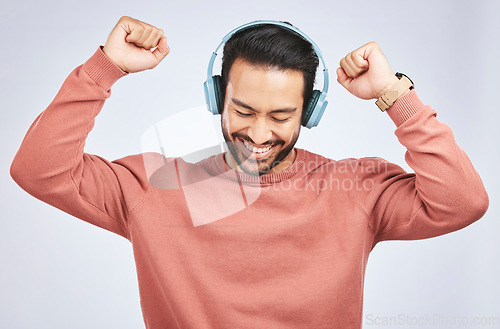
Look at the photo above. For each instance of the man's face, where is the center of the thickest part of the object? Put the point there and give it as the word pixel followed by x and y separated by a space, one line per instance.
pixel 261 118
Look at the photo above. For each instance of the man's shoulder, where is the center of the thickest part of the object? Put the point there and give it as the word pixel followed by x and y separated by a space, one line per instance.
pixel 164 172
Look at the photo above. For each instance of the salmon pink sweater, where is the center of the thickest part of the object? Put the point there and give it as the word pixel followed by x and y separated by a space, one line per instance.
pixel 219 249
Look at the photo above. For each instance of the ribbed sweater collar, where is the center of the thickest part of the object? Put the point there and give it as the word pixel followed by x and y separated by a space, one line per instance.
pixel 267 179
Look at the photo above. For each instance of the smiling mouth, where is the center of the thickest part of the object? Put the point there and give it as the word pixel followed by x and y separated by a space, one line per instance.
pixel 257 150
pixel 258 153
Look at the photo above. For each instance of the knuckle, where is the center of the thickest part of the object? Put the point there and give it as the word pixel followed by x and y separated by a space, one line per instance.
pixel 356 59
pixel 124 19
pixel 348 59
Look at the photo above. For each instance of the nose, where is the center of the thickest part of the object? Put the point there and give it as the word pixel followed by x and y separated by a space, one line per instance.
pixel 260 131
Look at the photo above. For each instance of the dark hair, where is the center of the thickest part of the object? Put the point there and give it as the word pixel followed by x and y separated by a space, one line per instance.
pixel 272 46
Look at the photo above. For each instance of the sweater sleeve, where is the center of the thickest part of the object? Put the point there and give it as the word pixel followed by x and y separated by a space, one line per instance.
pixel 444 194
pixel 52 166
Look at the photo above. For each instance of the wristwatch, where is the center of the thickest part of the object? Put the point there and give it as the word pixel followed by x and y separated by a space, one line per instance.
pixel 397 90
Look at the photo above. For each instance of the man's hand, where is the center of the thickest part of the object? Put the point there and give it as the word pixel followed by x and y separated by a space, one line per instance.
pixel 365 72
pixel 130 45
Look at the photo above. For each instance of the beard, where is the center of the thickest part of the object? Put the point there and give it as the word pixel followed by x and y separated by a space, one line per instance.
pixel 251 165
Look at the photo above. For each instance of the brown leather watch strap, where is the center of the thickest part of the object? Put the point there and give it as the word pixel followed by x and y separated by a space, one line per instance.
pixel 397 90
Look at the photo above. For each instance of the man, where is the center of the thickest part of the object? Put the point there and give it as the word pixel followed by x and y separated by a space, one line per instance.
pixel 294 256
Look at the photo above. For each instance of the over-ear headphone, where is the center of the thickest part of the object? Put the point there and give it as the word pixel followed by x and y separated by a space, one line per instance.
pixel 213 86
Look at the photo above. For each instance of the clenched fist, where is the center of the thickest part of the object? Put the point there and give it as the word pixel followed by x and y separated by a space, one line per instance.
pixel 130 45
pixel 365 72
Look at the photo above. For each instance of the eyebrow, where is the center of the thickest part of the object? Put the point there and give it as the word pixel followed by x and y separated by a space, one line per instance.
pixel 282 110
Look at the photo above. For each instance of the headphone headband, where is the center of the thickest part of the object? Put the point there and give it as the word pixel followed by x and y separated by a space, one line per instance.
pixel 320 97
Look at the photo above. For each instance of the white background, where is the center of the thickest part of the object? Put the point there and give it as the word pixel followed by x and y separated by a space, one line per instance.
pixel 59 272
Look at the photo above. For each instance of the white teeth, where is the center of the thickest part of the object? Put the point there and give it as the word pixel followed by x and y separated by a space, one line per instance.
pixel 256 149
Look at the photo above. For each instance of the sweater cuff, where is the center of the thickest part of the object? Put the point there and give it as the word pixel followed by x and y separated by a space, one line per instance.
pixel 102 69
pixel 405 107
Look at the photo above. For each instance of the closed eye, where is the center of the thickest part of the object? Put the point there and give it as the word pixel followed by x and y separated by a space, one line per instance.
pixel 241 114
pixel 281 120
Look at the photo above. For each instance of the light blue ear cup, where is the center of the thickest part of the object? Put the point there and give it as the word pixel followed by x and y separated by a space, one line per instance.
pixel 316 105
pixel 314 110
pixel 213 94
pixel 210 97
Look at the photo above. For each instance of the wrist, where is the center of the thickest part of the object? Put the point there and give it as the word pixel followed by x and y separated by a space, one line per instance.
pixel 397 89
pixel 102 69
pixel 110 56
pixel 388 86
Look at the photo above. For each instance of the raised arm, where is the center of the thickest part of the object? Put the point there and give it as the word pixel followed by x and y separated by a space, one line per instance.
pixel 51 163
pixel 444 194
